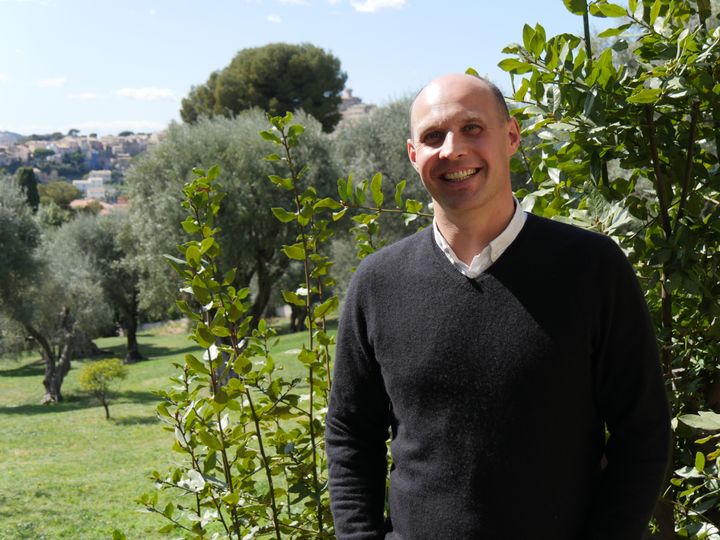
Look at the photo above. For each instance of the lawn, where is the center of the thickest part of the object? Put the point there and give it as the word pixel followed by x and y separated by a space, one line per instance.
pixel 65 471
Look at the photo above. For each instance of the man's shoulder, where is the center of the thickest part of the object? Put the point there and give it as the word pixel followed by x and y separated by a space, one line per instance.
pixel 553 234
pixel 556 246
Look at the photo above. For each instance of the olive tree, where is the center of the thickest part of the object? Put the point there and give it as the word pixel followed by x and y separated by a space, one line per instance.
pixel 49 294
pixel 252 235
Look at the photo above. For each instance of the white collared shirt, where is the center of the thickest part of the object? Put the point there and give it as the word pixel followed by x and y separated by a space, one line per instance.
pixel 491 253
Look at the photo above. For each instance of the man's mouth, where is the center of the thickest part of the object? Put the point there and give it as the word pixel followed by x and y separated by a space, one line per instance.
pixel 459 176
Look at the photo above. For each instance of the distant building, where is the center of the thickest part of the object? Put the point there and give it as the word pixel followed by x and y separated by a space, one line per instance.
pixel 94 186
pixel 352 108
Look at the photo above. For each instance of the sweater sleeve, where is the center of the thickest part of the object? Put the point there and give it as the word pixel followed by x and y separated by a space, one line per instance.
pixel 630 394
pixel 356 428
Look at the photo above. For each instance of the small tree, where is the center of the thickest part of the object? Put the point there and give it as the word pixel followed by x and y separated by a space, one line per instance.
pixel 101 378
pixel 28 183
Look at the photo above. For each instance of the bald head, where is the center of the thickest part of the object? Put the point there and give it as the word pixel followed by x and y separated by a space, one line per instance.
pixel 444 87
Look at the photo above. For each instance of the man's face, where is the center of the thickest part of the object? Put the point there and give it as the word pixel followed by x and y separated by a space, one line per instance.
pixel 461 145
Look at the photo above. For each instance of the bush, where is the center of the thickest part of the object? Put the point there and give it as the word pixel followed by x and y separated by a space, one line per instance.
pixel 101 378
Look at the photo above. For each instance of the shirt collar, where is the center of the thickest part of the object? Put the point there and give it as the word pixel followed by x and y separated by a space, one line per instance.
pixel 491 252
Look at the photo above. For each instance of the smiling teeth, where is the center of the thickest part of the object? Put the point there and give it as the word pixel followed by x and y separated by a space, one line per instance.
pixel 460 175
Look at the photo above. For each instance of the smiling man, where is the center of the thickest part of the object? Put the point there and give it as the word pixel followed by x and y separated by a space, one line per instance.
pixel 496 349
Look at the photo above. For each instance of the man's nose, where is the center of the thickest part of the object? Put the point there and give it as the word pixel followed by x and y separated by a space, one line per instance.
pixel 452 146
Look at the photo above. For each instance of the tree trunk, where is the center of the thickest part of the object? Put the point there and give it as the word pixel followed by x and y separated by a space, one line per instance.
pixel 107 409
pixel 131 323
pixel 265 283
pixel 56 365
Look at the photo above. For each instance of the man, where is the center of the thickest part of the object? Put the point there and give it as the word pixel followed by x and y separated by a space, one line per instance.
pixel 497 347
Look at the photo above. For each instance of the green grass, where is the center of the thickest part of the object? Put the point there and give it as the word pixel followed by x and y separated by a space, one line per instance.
pixel 65 471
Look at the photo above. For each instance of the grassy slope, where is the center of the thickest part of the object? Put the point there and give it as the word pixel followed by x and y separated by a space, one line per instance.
pixel 65 471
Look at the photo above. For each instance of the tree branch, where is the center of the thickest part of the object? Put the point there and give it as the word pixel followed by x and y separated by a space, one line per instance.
pixel 689 164
pixel 659 181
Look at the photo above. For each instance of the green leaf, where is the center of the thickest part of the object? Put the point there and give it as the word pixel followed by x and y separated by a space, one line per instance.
pixel 210 441
pixel 610 32
pixel 292 298
pixel 655 11
pixel 399 188
pixel 220 331
pixel 204 337
pixel 326 308
pixel 190 226
pixel 607 10
pixel 196 364
pixel 699 462
pixel 229 276
pixel 706 420
pixel 283 215
pixel 528 34
pixel 192 256
pixel 213 172
pixel 472 71
pixel 576 7
pixel 295 251
pixel 296 130
pixel 513 65
pixel 338 215
pixel 272 157
pixel 284 183
pixel 206 244
pixel 327 202
pixel 376 189
pixel 645 95
pixel 270 136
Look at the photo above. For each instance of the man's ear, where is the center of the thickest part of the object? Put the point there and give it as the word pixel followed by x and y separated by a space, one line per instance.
pixel 513 135
pixel 411 152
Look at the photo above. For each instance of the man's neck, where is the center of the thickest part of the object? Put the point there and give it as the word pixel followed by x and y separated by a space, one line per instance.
pixel 470 232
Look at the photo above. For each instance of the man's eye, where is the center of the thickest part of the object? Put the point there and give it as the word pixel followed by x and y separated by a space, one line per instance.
pixel 433 137
pixel 473 129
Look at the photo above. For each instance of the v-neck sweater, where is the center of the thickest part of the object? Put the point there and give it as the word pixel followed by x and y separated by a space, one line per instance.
pixel 497 392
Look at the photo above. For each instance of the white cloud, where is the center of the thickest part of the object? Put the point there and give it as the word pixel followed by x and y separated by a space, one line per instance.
pixel 52 83
pixel 83 96
pixel 147 93
pixel 274 19
pixel 371 6
pixel 295 2
pixel 333 2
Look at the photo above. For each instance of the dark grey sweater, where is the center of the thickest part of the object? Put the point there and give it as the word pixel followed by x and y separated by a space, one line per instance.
pixel 496 392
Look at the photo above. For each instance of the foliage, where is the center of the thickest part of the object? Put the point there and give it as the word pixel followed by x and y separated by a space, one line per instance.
pixel 100 379
pixel 276 78
pixel 377 144
pixel 251 236
pixel 51 215
pixel 49 296
pixel 59 192
pixel 631 149
pixel 28 183
pixel 255 460
pixel 110 248
pixel 19 236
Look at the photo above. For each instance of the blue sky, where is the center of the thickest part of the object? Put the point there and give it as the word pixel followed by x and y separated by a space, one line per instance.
pixel 105 66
